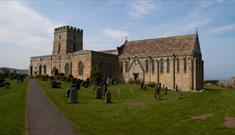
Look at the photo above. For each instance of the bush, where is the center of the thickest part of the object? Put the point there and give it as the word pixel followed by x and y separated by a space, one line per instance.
pixel 38 76
pixel 96 75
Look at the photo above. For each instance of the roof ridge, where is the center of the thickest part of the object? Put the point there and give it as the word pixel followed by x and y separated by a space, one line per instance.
pixel 187 35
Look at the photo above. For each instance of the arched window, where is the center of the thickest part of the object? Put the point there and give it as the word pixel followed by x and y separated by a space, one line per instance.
pixel 121 67
pixel 44 69
pixel 168 65
pixel 178 65
pixel 147 66
pixel 59 49
pixel 153 66
pixel 40 69
pixel 161 66
pixel 80 68
pixel 66 69
pixel 185 65
pixel 126 66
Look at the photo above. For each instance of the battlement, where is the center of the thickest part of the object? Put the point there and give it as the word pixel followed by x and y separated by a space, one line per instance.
pixel 68 28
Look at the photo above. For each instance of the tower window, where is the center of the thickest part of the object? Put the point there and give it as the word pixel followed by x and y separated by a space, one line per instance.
pixel 74 37
pixel 59 36
pixel 59 49
pixel 74 47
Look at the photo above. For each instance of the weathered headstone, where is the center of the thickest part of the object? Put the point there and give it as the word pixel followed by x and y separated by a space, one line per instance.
pixel 68 92
pixel 98 92
pixel 73 95
pixel 108 97
pixel 104 88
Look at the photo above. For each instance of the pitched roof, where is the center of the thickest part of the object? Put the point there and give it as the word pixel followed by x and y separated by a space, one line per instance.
pixel 178 45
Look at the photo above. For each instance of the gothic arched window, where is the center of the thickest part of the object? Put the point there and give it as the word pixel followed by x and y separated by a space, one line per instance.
pixel 153 66
pixel 121 67
pixel 161 66
pixel 44 69
pixel 147 66
pixel 168 65
pixel 178 65
pixel 185 65
pixel 80 68
pixel 66 69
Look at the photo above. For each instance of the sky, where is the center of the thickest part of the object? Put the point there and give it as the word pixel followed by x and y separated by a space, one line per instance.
pixel 26 27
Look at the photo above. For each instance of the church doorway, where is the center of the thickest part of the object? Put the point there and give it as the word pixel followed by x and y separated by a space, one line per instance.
pixel 136 76
pixel 55 71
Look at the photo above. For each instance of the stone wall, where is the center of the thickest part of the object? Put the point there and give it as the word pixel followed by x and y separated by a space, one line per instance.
pixel 189 77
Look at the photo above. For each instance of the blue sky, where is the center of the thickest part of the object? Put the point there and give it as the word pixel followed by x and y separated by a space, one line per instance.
pixel 26 27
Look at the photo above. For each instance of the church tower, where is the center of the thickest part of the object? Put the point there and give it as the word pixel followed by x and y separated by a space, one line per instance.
pixel 67 39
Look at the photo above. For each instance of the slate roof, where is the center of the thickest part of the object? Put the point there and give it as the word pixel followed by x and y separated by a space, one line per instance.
pixel 178 45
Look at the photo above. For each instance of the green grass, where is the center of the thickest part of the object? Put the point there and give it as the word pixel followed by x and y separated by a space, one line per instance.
pixel 136 112
pixel 12 109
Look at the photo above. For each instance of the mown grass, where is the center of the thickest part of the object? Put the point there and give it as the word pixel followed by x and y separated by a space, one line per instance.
pixel 12 109
pixel 136 112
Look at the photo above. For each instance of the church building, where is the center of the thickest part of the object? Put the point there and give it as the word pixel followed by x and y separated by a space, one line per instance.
pixel 172 61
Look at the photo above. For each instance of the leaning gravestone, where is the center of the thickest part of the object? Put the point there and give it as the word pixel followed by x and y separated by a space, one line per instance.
pixel 98 93
pixel 73 95
pixel 108 97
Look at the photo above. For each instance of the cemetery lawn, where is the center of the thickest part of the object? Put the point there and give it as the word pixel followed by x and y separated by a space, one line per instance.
pixel 136 112
pixel 13 108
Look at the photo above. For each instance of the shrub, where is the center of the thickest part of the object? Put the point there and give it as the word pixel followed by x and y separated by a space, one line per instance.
pixel 96 75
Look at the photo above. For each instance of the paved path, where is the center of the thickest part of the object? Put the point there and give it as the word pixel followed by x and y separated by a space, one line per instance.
pixel 43 117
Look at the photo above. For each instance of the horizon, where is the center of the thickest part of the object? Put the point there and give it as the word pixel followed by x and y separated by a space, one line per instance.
pixel 27 27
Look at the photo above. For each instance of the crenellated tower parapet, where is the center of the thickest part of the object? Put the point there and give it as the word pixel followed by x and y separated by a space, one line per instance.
pixel 67 39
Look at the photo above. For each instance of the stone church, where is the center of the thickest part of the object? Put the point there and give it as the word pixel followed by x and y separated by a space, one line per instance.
pixel 171 61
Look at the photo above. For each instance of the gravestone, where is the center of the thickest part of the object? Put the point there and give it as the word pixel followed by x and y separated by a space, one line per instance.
pixel 67 92
pixel 98 93
pixel 157 91
pixel 104 88
pixel 73 95
pixel 108 97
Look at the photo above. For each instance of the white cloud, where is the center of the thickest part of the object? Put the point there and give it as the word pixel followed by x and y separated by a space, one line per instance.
pixel 21 25
pixel 115 34
pixel 224 28
pixel 139 8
